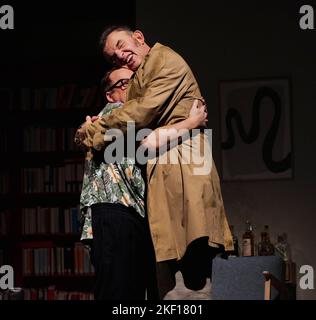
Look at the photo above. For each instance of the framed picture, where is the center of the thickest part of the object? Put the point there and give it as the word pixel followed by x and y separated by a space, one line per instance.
pixel 256 129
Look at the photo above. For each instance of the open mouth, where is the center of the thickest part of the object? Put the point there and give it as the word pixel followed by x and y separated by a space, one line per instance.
pixel 129 59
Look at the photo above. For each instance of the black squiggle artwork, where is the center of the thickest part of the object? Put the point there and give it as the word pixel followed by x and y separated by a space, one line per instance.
pixel 252 135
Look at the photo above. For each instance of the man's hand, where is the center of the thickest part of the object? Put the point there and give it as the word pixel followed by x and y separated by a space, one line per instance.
pixel 198 113
pixel 81 135
pixel 91 119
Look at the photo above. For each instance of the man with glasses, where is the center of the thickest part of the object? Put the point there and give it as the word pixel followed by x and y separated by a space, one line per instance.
pixel 120 84
pixel 113 209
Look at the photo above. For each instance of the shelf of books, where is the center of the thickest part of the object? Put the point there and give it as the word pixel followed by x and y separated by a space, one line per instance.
pixel 40 186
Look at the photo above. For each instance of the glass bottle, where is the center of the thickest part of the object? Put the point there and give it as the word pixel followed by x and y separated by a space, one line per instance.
pixel 248 241
pixel 235 251
pixel 283 250
pixel 265 247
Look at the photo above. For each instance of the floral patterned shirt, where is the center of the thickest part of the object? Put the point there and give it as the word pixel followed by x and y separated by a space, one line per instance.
pixel 111 183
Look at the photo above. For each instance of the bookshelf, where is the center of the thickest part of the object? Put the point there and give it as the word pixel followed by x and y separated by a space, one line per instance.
pixel 40 186
pixel 51 68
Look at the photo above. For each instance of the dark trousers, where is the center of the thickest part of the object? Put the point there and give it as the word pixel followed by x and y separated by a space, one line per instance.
pixel 123 254
pixel 195 266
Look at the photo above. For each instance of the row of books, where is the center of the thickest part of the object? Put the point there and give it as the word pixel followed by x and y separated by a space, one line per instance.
pixel 48 293
pixel 52 261
pixel 3 223
pixel 53 179
pixel 59 220
pixel 49 139
pixel 52 294
pixel 67 96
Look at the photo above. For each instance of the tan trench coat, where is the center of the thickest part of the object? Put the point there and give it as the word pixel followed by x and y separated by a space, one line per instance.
pixel 182 206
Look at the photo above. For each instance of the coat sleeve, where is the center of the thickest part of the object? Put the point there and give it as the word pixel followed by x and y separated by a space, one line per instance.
pixel 163 74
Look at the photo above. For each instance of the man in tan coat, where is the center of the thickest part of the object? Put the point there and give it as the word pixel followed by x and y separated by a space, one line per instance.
pixel 184 199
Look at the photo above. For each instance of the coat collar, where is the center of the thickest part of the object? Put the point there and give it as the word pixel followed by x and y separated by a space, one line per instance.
pixel 154 48
pixel 138 74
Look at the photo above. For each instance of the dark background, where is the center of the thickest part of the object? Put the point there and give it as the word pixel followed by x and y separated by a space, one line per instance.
pixel 224 40
pixel 58 40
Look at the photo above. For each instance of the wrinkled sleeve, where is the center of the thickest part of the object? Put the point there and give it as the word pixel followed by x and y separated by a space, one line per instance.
pixel 161 81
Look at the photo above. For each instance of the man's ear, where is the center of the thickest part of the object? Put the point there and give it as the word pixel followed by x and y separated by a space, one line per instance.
pixel 138 35
pixel 109 97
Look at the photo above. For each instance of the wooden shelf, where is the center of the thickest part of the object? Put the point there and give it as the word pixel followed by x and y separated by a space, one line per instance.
pixel 58 237
pixel 34 159
pixel 61 282
pixel 5 241
pixel 67 117
pixel 6 201
pixel 40 159
pixel 48 199
pixel 45 199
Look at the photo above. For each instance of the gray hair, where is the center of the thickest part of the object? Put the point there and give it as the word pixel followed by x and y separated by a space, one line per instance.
pixel 109 30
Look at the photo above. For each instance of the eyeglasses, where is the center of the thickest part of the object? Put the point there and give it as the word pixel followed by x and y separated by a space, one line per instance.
pixel 122 83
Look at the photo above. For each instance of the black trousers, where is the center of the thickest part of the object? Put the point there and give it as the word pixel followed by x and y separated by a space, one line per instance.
pixel 123 254
pixel 195 266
